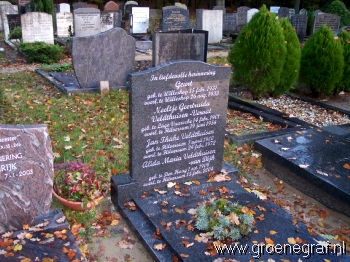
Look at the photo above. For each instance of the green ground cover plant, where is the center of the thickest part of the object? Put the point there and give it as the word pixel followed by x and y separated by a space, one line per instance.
pixel 41 52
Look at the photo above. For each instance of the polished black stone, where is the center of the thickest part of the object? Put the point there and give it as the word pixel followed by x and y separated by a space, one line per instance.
pixel 175 18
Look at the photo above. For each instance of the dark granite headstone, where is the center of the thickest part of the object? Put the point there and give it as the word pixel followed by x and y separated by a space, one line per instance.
pixel 242 15
pixel 175 18
pixel 107 56
pixel 26 173
pixel 27 8
pixel 299 22
pixel 229 22
pixel 318 12
pixel 79 5
pixel 330 20
pixel 14 21
pixel 111 6
pixel 172 46
pixel 178 116
pixel 303 11
pixel 283 12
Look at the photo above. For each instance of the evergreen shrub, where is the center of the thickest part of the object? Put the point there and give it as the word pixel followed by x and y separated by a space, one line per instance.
pixel 15 33
pixel 291 67
pixel 322 62
pixel 45 6
pixel 344 83
pixel 259 54
pixel 338 8
pixel 41 52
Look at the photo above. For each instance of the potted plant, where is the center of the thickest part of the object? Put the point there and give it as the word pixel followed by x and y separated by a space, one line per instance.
pixel 77 186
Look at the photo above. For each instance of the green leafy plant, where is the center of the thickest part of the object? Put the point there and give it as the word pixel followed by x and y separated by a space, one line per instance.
pixel 76 181
pixel 16 33
pixel 224 219
pixel 344 83
pixel 322 62
pixel 338 8
pixel 291 67
pixel 57 67
pixel 41 52
pixel 45 6
pixel 259 53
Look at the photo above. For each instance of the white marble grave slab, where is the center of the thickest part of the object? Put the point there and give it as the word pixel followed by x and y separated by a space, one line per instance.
pixel 140 20
pixel 37 26
pixel 87 21
pixel 63 21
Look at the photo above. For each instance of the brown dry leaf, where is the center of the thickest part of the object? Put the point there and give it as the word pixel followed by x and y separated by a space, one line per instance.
pixel 192 211
pixel 48 235
pixel 187 244
pixel 291 240
pixel 184 255
pixel 25 226
pixel 61 220
pixel 196 182
pixel 347 166
pixel 25 260
pixel 269 241
pixel 164 210
pixel 190 228
pixel 202 192
pixel 159 246
pixel 114 222
pixel 163 224
pixel 180 211
pixel 320 223
pixel 71 253
pixel 298 240
pixel 162 192
pixel 221 178
pixel 273 232
pixel 202 237
pixel 179 193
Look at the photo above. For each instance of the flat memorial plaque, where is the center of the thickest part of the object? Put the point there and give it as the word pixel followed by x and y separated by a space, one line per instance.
pixel 178 117
pixel 26 173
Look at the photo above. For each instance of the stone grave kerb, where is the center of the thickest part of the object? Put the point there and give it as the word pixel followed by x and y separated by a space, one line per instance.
pixel 177 126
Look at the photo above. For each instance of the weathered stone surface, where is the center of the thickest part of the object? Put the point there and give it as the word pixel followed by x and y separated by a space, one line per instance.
pixel 229 22
pixel 242 15
pixel 111 6
pixel 174 46
pixel 37 26
pixel 87 21
pixel 104 57
pixel 26 173
pixel 175 18
pixel 63 22
pixel 211 21
pixel 14 21
pixel 64 7
pixel 274 9
pixel 299 22
pixel 330 20
pixel 220 7
pixel 140 20
pixel 283 12
pixel 250 14
pixel 79 5
pixel 178 117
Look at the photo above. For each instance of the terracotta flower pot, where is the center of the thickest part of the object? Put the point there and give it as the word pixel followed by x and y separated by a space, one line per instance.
pixel 77 205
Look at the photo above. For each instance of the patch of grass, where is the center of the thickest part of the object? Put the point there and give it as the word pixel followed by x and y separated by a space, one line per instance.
pixel 64 67
pixel 218 60
pixel 3 59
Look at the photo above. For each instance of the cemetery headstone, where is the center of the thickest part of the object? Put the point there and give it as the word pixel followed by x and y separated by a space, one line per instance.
pixel 14 21
pixel 25 176
pixel 291 13
pixel 175 18
pixel 220 7
pixel 220 2
pixel 92 6
pixel 6 9
pixel 79 5
pixel 283 12
pixel 178 116
pixel 180 5
pixel 111 6
pixel 87 21
pixel 317 12
pixel 64 7
pixel 128 9
pixel 229 23
pixel 303 11
pixel 299 23
pixel 103 57
pixel 21 5
pixel 110 19
pixel 140 20
pixel 174 46
pixel 242 15
pixel 211 21
pixel 330 20
pixel 274 9
pixel 37 26
pixel 27 8
pixel 250 14
pixel 63 22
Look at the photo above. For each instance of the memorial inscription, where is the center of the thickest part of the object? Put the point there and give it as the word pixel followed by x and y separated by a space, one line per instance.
pixel 175 18
pixel 330 20
pixel 178 116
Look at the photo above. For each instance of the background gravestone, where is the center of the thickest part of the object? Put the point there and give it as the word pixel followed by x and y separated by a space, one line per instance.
pixel 108 56
pixel 79 5
pixel 37 26
pixel 211 21
pixel 111 6
pixel 299 22
pixel 175 18
pixel 110 19
pixel 274 9
pixel 303 11
pixel 250 14
pixel 175 46
pixel 318 12
pixel 242 15
pixel 220 7
pixel 283 12
pixel 140 20
pixel 14 21
pixel 229 23
pixel 6 9
pixel 291 13
pixel 87 21
pixel 64 7
pixel 63 22
pixel 178 117
pixel 128 9
pixel 26 173
pixel 330 20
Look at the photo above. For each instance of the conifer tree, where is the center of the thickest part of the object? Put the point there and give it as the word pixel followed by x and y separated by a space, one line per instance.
pixel 259 54
pixel 344 83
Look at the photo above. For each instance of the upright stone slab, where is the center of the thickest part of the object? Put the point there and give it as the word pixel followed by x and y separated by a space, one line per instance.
pixel 220 7
pixel 108 56
pixel 174 46
pixel 21 5
pixel 178 117
pixel 330 20
pixel 26 174
pixel 175 18
pixel 318 12
pixel 6 9
pixel 92 6
pixel 79 5
pixel 180 5
pixel 283 12
pixel 108 20
pixel 14 21
pixel 211 21
pixel 274 9
pixel 111 6
pixel 229 23
pixel 87 21
pixel 291 13
pixel 299 22
pixel 64 8
pixel 128 9
pixel 242 15
pixel 140 20
pixel 250 14
pixel 63 22
pixel 303 11
pixel 37 26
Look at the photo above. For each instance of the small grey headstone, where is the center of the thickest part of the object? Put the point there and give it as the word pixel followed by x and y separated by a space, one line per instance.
pixel 250 14
pixel 330 20
pixel 318 12
pixel 79 5
pixel 108 56
pixel 211 21
pixel 64 7
pixel 220 7
pixel 291 13
pixel 242 15
pixel 283 12
pixel 178 118
pixel 175 18
pixel 299 23
pixel 229 22
pixel 63 22
pixel 303 11
pixel 87 21
pixel 26 174
pixel 175 46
